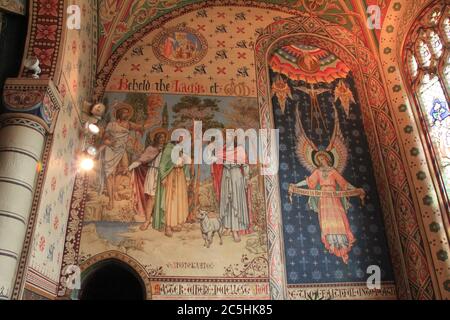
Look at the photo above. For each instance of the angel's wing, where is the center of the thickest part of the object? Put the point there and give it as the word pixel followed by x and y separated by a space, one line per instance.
pixel 337 146
pixel 305 147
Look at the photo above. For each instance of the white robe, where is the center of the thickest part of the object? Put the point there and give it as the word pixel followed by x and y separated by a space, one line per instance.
pixel 151 179
pixel 114 153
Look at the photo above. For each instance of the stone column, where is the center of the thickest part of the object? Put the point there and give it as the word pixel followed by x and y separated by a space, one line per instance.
pixel 31 106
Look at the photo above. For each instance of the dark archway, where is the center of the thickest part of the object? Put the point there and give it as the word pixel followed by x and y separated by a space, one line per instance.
pixel 112 280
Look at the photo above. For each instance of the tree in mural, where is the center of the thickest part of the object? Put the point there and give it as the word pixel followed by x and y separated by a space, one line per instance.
pixel 147 110
pixel 191 108
pixel 243 113
pixel 139 103
pixel 165 117
pixel 186 111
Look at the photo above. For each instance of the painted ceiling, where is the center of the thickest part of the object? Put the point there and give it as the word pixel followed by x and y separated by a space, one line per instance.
pixel 120 19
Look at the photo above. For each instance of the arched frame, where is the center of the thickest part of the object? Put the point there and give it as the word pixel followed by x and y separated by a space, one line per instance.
pixel 405 238
pixel 90 265
pixel 434 214
pixel 410 50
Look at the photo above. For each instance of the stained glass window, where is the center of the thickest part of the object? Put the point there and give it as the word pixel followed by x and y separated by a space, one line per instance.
pixel 427 54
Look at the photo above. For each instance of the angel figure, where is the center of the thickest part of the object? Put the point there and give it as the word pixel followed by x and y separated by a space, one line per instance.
pixel 343 93
pixel 282 91
pixel 328 190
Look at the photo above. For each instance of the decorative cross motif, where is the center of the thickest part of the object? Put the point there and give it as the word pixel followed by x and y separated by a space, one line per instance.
pixel 302 239
pixel 326 261
pixel 221 70
pixel 242 55
pixel 304 262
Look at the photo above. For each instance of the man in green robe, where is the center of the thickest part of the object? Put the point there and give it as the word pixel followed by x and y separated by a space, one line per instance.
pixel 171 208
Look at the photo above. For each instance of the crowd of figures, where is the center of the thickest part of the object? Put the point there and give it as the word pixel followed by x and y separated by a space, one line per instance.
pixel 160 184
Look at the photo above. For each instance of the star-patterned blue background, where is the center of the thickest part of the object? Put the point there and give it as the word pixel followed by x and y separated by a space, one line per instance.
pixel 307 260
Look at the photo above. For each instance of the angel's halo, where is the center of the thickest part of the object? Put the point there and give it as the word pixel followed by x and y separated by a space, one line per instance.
pixel 329 155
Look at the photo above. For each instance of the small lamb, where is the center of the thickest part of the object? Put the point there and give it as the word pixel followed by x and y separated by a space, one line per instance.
pixel 209 226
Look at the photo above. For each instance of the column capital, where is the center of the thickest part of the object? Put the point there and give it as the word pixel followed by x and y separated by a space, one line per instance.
pixel 36 100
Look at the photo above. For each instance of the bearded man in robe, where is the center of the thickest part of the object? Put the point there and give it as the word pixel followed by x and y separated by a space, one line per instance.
pixel 172 205
pixel 145 171
pixel 231 182
pixel 114 147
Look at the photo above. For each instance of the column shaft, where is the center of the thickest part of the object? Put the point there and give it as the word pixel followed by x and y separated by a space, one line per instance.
pixel 21 146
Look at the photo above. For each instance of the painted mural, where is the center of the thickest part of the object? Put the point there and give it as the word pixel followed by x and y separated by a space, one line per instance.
pixel 180 46
pixel 121 19
pixel 333 229
pixel 159 212
pixel 203 52
pixel 199 66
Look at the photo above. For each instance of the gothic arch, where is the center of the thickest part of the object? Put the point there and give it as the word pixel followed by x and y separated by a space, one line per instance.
pixel 410 88
pixel 434 217
pixel 104 74
pixel 89 265
pixel 406 241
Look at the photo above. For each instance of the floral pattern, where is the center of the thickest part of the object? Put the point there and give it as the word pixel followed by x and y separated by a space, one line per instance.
pixel 47 32
pixel 53 211
pixel 44 55
pixel 48 7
